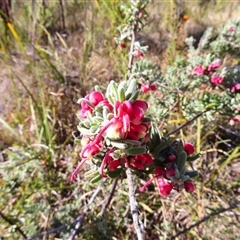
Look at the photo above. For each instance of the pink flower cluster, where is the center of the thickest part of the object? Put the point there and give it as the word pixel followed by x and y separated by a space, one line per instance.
pixel 146 87
pixel 163 175
pixel 125 120
pixel 208 71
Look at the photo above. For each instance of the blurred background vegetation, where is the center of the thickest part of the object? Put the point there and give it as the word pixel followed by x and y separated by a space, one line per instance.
pixel 54 52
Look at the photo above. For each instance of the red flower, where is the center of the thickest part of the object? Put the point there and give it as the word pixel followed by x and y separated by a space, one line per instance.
pixel 137 131
pixel 122 45
pixel 159 172
pixel 198 70
pixel 141 161
pixel 189 148
pixel 171 158
pixel 108 160
pixel 189 187
pixel 164 187
pixel 213 66
pixel 142 104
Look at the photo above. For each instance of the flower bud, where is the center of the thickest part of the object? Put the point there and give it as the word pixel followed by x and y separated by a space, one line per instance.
pixel 189 187
pixel 189 148
pixel 164 187
pixel 95 97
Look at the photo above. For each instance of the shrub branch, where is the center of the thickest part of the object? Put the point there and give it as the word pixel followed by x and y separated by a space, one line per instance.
pixel 133 206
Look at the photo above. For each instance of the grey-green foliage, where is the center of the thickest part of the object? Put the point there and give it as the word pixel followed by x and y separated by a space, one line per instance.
pixel 228 39
pixel 145 71
pixel 195 90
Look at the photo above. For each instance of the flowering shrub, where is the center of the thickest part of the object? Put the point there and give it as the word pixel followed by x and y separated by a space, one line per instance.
pixel 117 134
pixel 118 130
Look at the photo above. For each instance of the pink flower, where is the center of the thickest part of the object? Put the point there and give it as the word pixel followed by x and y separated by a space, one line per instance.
pixel 108 160
pixel 105 103
pixel 217 80
pixel 145 87
pixel 85 108
pixel 141 14
pixel 139 54
pixel 198 70
pixel 95 98
pixel 136 115
pixel 213 66
pixel 235 88
pixel 232 29
pixel 137 131
pixel 92 99
pixel 115 130
pixel 90 150
pixel 234 120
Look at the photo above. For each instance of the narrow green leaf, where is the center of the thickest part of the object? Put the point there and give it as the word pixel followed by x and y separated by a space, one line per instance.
pixel 192 174
pixel 136 151
pixel 182 157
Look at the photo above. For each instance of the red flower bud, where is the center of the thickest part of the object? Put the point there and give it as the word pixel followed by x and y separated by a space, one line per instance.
pixel 189 187
pixel 139 54
pixel 122 45
pixel 164 187
pixel 171 158
pixel 95 98
pixel 189 148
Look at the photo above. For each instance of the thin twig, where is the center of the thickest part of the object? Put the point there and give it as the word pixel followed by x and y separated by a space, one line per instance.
pixel 186 123
pixel 62 13
pixel 131 56
pixel 169 111
pixel 78 220
pixel 109 198
pixel 18 229
pixel 205 219
pixel 81 217
pixel 133 205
